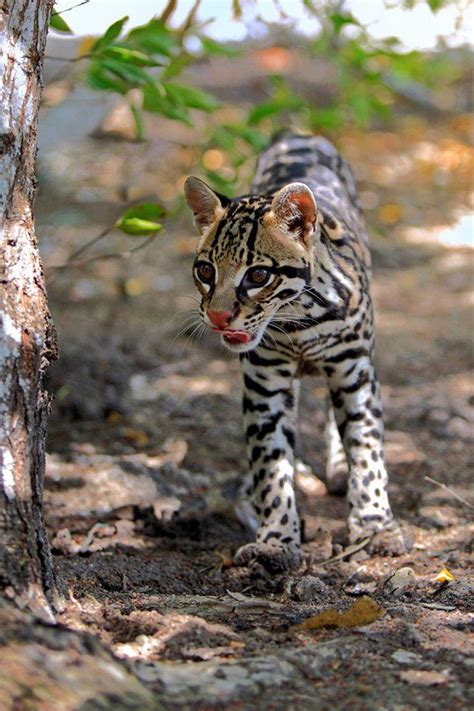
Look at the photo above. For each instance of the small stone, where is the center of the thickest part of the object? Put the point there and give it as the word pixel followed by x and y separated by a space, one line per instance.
pixel 459 427
pixel 403 657
pixel 438 516
pixel 309 588
pixel 423 677
pixel 400 580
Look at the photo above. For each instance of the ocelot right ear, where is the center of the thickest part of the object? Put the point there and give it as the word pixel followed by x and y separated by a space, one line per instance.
pixel 207 205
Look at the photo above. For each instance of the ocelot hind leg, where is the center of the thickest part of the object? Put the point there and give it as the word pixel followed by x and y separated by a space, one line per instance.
pixel 337 469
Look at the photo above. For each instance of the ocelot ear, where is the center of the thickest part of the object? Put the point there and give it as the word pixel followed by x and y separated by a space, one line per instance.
pixel 295 211
pixel 207 205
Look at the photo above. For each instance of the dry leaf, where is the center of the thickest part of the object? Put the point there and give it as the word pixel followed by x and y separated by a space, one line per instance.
pixel 136 437
pixel 362 612
pixel 444 576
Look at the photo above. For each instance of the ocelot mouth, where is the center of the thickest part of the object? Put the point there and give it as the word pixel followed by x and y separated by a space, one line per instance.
pixel 234 336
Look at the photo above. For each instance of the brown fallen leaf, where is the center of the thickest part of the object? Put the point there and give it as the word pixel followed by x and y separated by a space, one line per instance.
pixel 135 437
pixel 423 677
pixel 364 611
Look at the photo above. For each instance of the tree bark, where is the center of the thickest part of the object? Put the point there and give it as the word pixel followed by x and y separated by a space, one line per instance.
pixel 27 336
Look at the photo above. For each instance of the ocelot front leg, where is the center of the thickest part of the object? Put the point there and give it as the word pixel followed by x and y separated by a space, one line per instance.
pixel 270 403
pixel 355 395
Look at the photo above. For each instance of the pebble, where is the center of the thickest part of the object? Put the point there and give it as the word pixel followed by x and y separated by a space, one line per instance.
pixel 403 657
pixel 308 588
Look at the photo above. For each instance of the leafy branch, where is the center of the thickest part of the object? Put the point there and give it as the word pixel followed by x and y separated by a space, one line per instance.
pixel 137 221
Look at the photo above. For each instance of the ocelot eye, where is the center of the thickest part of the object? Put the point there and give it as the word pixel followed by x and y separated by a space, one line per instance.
pixel 205 272
pixel 256 277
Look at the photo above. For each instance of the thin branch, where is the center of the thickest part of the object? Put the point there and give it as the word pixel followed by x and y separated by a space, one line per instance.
pixel 68 59
pixel 450 491
pixel 89 244
pixel 73 263
pixel 168 11
pixel 188 22
pixel 73 7
pixel 348 551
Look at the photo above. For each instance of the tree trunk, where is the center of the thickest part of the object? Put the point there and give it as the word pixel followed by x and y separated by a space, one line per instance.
pixel 27 337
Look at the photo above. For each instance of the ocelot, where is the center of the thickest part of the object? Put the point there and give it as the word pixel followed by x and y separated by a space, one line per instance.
pixel 284 278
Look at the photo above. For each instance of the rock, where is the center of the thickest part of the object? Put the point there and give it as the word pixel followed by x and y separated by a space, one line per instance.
pixel 309 588
pixel 397 583
pixel 459 427
pixel 403 657
pixel 423 677
pixel 438 516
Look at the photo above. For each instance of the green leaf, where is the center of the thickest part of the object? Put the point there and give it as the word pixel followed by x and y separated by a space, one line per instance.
pixel 141 220
pixel 283 102
pixel 328 119
pixel 188 96
pixel 223 137
pixel 224 185
pixel 361 106
pixel 153 38
pixel 156 102
pixel 130 56
pixel 339 20
pixel 99 78
pixel 138 121
pixel 134 76
pixel 110 34
pixel 57 23
pixel 176 65
pixel 262 111
pixel 210 46
pixel 256 140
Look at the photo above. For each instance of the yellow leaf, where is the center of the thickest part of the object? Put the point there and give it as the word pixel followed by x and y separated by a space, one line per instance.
pixel 85 46
pixel 390 213
pixel 364 611
pixel 444 576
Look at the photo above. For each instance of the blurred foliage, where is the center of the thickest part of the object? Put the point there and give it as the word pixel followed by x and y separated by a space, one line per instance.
pixel 143 64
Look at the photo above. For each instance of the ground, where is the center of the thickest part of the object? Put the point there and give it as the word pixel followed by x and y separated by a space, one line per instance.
pixel 146 451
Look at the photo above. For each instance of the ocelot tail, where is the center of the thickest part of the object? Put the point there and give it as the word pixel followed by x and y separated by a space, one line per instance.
pixel 284 278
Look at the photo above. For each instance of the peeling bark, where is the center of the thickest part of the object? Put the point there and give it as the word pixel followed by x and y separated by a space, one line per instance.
pixel 27 337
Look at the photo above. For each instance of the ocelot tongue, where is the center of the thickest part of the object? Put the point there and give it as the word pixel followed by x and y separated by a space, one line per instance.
pixel 236 336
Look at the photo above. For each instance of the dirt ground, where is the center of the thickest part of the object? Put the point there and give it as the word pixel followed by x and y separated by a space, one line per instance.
pixel 146 450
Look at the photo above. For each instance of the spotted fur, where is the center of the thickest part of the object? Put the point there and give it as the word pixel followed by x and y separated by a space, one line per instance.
pixel 302 224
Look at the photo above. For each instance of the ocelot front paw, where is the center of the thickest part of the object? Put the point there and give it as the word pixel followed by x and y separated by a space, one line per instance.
pixel 274 558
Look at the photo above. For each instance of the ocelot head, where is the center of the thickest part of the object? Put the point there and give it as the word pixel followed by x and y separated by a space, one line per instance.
pixel 253 257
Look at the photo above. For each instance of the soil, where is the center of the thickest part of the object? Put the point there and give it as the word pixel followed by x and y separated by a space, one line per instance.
pixel 146 454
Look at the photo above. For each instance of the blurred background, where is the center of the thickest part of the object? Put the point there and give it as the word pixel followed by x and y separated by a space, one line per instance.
pixel 131 106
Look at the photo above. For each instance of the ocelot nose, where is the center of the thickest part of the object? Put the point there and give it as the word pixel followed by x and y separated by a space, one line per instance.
pixel 220 319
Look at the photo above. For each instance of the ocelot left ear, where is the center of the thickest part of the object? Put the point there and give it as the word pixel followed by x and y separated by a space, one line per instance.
pixel 295 210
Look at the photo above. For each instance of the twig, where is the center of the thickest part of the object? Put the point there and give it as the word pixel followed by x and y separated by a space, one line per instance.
pixel 168 11
pixel 68 59
pixel 73 7
pixel 189 20
pixel 348 551
pixel 73 263
pixel 450 491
